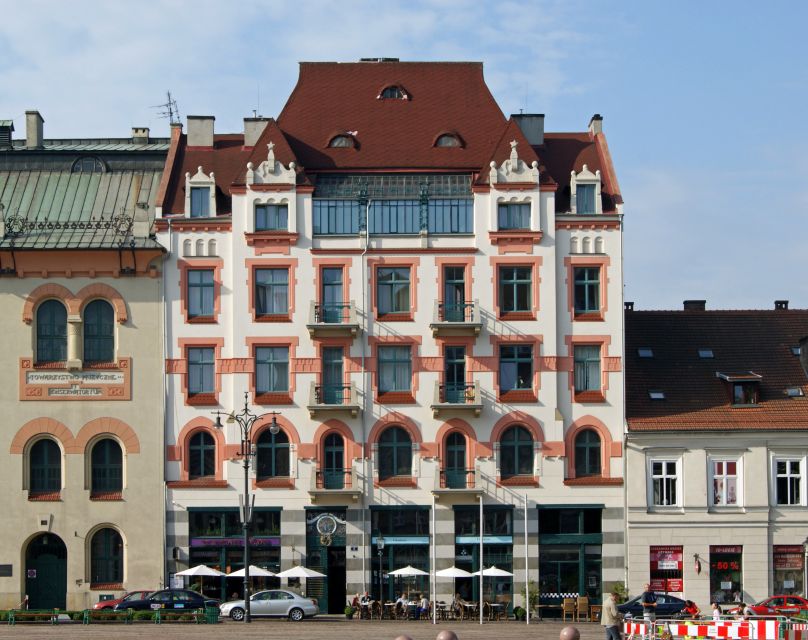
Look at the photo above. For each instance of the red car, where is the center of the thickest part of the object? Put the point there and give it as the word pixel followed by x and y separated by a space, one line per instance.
pixel 131 595
pixel 776 606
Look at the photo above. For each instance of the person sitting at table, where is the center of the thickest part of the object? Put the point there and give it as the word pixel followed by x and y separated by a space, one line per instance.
pixel 457 605
pixel 401 604
pixel 355 602
pixel 365 603
pixel 423 606
pixel 412 606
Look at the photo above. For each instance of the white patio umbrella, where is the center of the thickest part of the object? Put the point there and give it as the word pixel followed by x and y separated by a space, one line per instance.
pixel 409 570
pixel 493 572
pixel 300 572
pixel 200 570
pixel 453 572
pixel 255 572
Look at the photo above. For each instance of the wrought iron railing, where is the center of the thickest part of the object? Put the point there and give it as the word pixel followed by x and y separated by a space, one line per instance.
pixel 336 394
pixel 457 478
pixel 332 313
pixel 456 312
pixel 457 393
pixel 334 478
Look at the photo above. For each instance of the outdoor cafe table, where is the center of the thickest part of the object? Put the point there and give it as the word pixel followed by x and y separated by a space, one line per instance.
pixel 389 611
pixel 495 609
pixel 469 609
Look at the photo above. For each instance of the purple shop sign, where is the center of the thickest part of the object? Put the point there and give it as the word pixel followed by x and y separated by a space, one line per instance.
pixel 257 541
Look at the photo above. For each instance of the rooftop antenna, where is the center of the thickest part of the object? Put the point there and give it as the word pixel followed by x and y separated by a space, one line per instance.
pixel 168 109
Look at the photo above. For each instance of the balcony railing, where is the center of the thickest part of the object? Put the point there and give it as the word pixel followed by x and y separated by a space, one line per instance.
pixel 457 318
pixel 332 319
pixel 457 478
pixel 333 397
pixel 336 484
pixel 334 479
pixel 457 396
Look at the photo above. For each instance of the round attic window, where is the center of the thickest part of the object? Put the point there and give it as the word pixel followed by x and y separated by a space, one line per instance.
pixel 447 140
pixel 88 165
pixel 341 142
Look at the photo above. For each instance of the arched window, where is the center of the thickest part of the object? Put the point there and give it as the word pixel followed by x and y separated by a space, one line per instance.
pixel 334 460
pixel 106 557
pixel 447 140
pixel 455 461
pixel 99 332
pixel 45 467
pixel 273 455
pixel 107 467
pixel 342 142
pixel 392 93
pixel 516 452
pixel 88 165
pixel 201 455
pixel 51 332
pixel 587 454
pixel 395 453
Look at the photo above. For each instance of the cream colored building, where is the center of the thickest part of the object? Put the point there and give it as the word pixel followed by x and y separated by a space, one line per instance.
pixel 81 368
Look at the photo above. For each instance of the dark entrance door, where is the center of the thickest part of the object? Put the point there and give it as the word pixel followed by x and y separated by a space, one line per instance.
pixel 455 461
pixel 46 572
pixel 454 294
pixel 455 363
pixel 337 588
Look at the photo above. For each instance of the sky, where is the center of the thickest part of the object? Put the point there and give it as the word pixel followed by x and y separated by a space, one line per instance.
pixel 704 103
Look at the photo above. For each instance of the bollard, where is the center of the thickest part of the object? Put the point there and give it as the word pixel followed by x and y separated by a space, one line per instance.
pixel 446 634
pixel 569 633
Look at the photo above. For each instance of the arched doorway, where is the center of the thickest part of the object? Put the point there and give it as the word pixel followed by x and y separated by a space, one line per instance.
pixel 46 572
pixel 333 472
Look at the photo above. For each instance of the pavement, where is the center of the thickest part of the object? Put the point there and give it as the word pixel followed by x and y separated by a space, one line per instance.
pixel 327 627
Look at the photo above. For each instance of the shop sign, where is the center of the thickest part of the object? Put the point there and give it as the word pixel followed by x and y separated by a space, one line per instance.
pixel 787 557
pixel 727 549
pixel 235 542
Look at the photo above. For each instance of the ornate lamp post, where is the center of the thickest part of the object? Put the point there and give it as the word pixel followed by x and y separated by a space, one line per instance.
pixel 380 549
pixel 246 419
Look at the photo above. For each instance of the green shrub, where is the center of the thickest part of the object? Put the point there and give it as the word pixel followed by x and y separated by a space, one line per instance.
pixel 3 616
pixel 143 615
pixel 519 613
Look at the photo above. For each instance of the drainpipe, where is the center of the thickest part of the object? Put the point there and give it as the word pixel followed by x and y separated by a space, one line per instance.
pixel 166 407
pixel 365 524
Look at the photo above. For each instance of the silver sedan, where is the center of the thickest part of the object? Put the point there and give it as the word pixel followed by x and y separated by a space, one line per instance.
pixel 274 602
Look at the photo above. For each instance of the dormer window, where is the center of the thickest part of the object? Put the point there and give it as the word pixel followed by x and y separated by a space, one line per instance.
pixel 745 387
pixel 448 140
pixel 342 142
pixel 200 202
pixel 200 195
pixel 795 392
pixel 393 92
pixel 796 351
pixel 88 165
pixel 585 192
pixel 645 352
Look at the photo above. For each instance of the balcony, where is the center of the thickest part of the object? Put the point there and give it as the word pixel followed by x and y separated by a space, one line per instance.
pixel 457 482
pixel 457 397
pixel 332 320
pixel 456 319
pixel 340 483
pixel 333 397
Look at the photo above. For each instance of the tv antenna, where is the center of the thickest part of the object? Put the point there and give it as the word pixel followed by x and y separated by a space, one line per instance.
pixel 168 109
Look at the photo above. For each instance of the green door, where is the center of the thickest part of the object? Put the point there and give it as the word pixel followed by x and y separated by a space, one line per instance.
pixel 332 308
pixel 456 461
pixel 454 294
pixel 333 474
pixel 455 378
pixel 333 382
pixel 46 572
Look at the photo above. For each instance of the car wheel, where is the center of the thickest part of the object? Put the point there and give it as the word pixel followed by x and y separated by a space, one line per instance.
pixel 237 614
pixel 296 615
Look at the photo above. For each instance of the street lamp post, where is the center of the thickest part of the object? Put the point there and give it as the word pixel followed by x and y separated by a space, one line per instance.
pixel 805 568
pixel 380 549
pixel 246 419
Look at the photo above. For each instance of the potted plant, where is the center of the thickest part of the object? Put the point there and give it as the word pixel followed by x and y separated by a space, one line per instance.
pixel 519 613
pixel 349 612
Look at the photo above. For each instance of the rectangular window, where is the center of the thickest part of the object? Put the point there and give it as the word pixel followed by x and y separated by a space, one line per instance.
pixel 587 368
pixel 515 367
pixel 451 215
pixel 271 292
pixel 587 290
pixel 667 569
pixel 200 293
pixel 725 482
pixel 271 370
pixel 744 393
pixel 513 215
pixel 394 217
pixel 271 217
pixel 201 370
pixel 664 480
pixel 200 202
pixel 788 568
pixel 336 217
pixel 395 369
pixel 514 289
pixel 585 198
pixel 726 563
pixel 788 481
pixel 393 290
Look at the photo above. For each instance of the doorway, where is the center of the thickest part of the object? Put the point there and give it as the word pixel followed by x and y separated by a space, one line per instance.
pixel 46 572
pixel 337 588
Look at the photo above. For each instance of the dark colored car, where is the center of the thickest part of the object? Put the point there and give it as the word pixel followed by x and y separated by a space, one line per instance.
pixel 132 595
pixel 175 599
pixel 667 606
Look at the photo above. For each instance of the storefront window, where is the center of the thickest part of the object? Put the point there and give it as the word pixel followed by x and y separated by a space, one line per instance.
pixel 726 573
pixel 400 522
pixel 496 522
pixel 788 569
pixel 666 569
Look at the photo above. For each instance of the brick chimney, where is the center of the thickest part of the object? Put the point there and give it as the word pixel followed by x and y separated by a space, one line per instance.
pixel 532 125
pixel 140 135
pixel 694 305
pixel 596 124
pixel 253 128
pixel 781 305
pixel 200 131
pixel 33 129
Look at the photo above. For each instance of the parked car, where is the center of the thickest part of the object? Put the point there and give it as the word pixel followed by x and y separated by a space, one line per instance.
pixel 667 606
pixel 176 599
pixel 776 606
pixel 132 595
pixel 274 602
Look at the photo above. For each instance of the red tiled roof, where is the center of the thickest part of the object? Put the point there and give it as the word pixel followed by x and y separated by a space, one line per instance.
pixel 695 398
pixel 283 152
pixel 332 98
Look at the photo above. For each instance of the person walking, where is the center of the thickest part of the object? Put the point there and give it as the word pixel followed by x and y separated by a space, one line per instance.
pixel 716 612
pixel 610 618
pixel 649 603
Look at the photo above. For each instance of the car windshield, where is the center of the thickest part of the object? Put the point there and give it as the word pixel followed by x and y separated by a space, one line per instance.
pixel 138 595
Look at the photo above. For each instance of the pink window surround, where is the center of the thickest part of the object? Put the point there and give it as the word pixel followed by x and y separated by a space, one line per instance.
pixel 289 429
pixel 474 448
pixel 403 397
pixel 455 341
pixel 599 262
pixel 535 263
pixel 333 263
pixel 608 364
pixel 199 264
pixel 291 342
pixel 391 419
pixel 608 448
pixel 382 261
pixel 466 263
pixel 204 399
pixel 517 418
pixel 75 303
pixel 519 395
pixel 179 452
pixel 272 263
pixel 351 449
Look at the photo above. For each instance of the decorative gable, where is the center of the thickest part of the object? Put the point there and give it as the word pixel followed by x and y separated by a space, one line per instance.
pixel 271 171
pixel 514 169
pixel 200 194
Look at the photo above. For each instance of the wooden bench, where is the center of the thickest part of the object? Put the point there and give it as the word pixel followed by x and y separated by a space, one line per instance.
pixel 33 615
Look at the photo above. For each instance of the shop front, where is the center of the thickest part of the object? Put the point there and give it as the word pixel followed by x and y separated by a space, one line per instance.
pixel 405 532
pixel 789 569
pixel 216 540
pixel 325 552
pixel 666 569
pixel 726 574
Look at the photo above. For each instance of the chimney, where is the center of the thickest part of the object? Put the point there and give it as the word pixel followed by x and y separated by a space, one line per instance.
pixel 596 124
pixel 6 127
pixel 532 125
pixel 140 135
pixel 253 128
pixel 695 305
pixel 781 305
pixel 629 306
pixel 33 129
pixel 200 131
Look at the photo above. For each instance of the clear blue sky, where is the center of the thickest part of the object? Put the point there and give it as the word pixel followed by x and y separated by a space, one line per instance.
pixel 704 102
